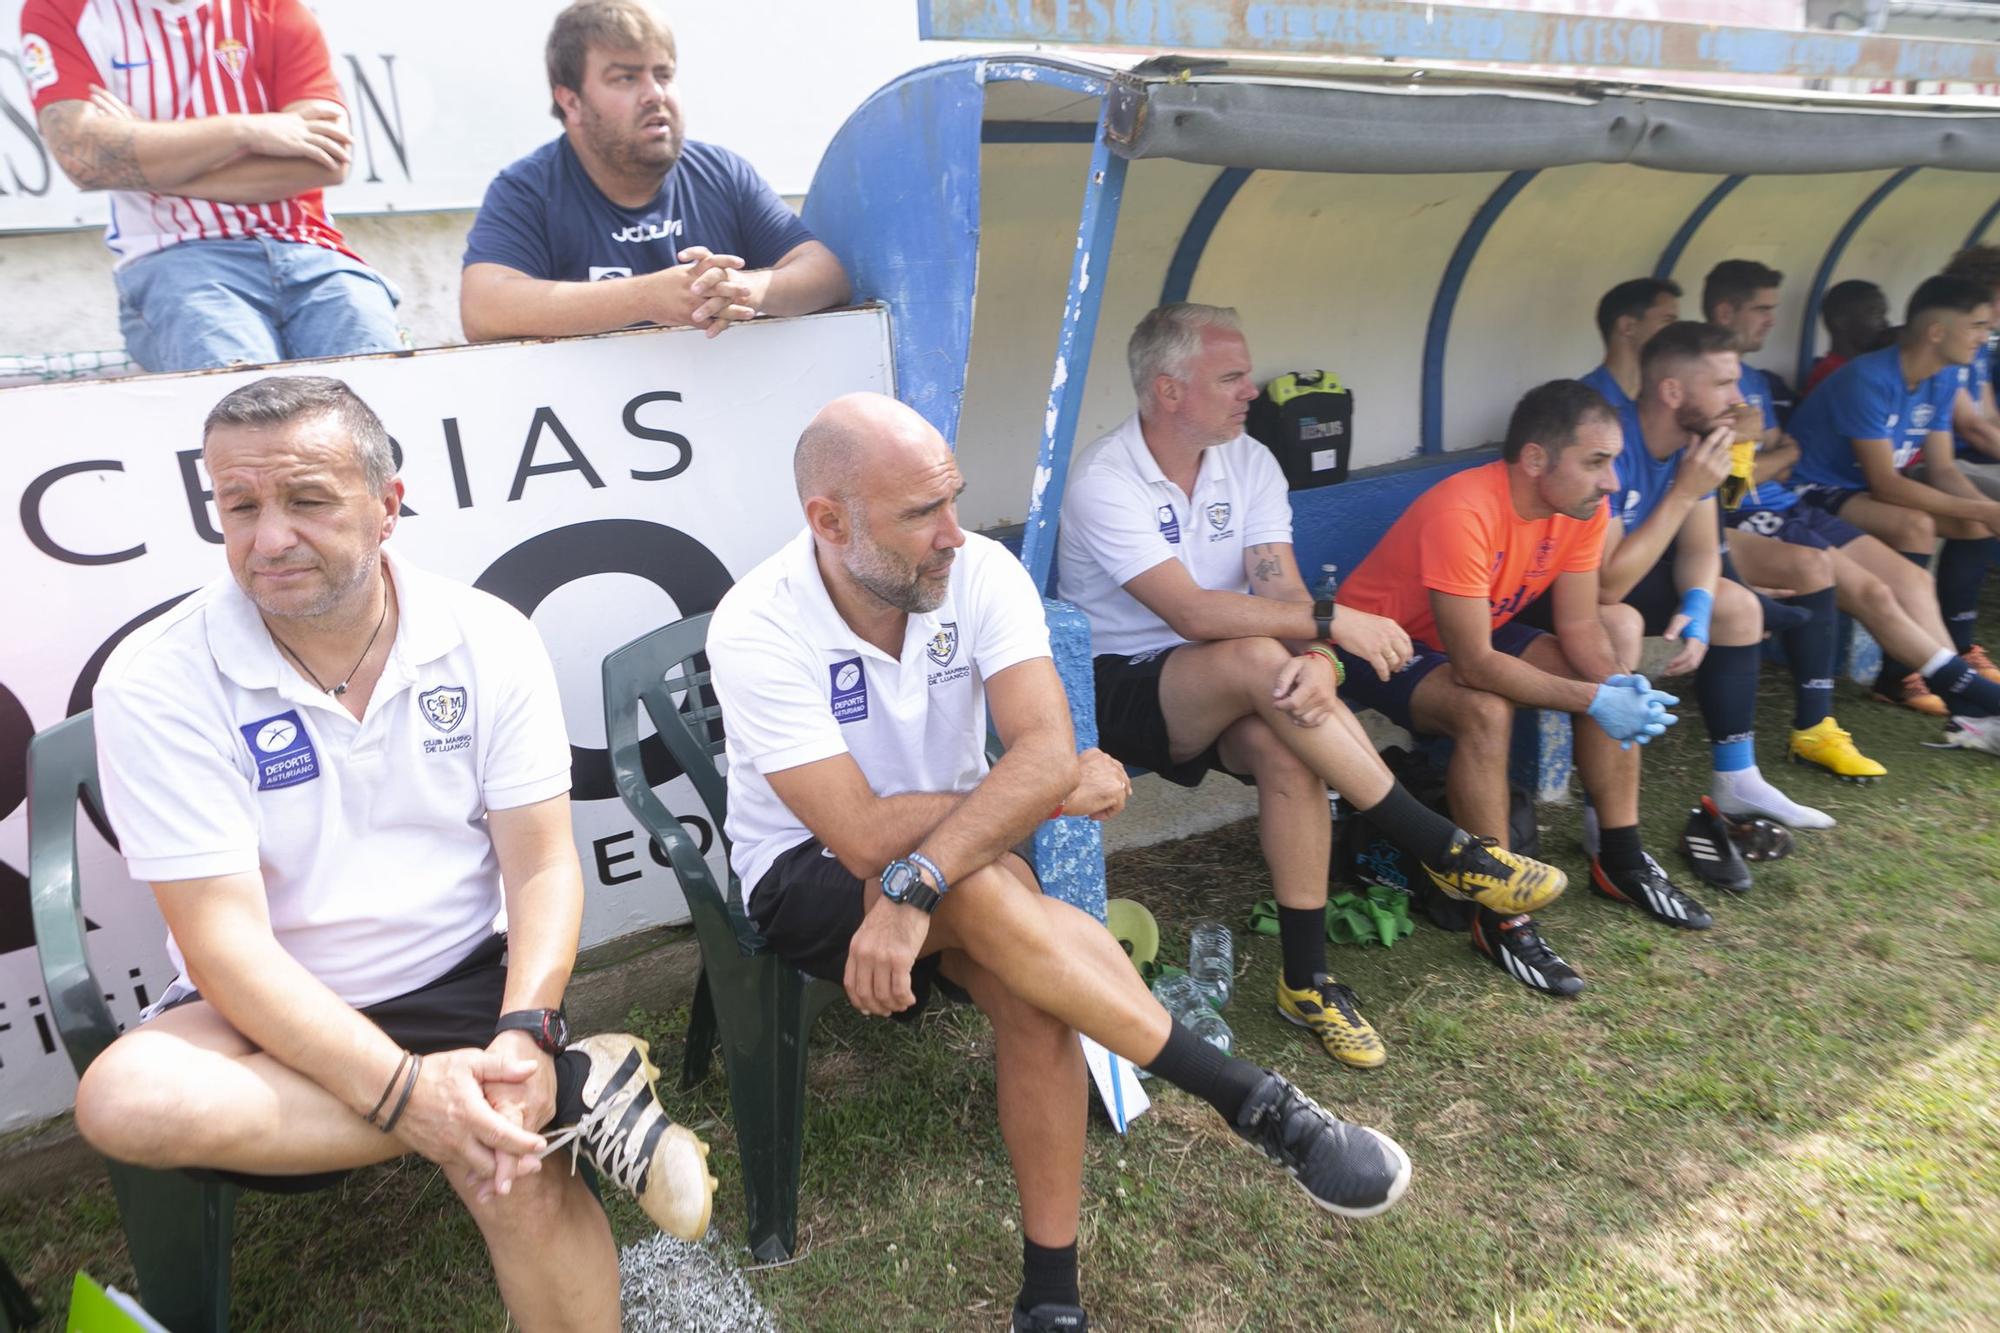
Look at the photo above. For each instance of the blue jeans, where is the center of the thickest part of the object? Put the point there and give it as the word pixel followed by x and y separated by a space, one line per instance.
pixel 202 304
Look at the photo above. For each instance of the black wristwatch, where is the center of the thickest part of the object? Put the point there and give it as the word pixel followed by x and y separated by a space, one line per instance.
pixel 1323 618
pixel 547 1026
pixel 903 883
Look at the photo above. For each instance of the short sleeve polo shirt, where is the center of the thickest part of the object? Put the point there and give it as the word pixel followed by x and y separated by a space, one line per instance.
pixel 1122 517
pixel 798 685
pixel 1866 399
pixel 217 758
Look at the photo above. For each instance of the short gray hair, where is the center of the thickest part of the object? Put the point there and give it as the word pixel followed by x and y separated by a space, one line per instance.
pixel 277 399
pixel 1169 337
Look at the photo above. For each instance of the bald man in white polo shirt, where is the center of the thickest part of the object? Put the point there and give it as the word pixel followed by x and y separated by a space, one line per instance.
pixel 855 669
pixel 1210 655
pixel 347 781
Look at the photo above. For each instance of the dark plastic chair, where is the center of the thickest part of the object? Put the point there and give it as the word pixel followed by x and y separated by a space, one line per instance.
pixel 760 1007
pixel 177 1228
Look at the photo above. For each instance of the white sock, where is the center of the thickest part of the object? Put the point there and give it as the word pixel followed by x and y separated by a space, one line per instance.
pixel 1938 659
pixel 1745 792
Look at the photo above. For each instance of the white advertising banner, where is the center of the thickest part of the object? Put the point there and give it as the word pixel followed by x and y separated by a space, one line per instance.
pixel 602 486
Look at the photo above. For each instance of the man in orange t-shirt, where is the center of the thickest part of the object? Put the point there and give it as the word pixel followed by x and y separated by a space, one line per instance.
pixel 1455 570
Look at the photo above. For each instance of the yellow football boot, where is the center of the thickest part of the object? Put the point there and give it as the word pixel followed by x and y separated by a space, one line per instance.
pixel 1826 744
pixel 1330 1011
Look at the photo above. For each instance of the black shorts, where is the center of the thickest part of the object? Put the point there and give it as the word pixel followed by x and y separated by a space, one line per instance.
pixel 457 1010
pixel 808 906
pixel 1801 525
pixel 1132 729
pixel 1391 698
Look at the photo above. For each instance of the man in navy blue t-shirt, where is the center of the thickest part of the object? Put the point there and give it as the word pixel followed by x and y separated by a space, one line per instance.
pixel 690 231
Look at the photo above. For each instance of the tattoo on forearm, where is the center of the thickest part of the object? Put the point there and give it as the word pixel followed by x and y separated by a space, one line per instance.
pixel 103 158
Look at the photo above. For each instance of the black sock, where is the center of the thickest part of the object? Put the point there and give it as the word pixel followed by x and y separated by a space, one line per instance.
pixel 572 1068
pixel 1812 649
pixel 1048 1275
pixel 1618 848
pixel 1413 826
pixel 1725 685
pixel 1961 568
pixel 1302 936
pixel 1890 678
pixel 1965 691
pixel 1194 1066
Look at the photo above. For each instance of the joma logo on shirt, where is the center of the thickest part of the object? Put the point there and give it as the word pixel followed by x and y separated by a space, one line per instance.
pixel 640 232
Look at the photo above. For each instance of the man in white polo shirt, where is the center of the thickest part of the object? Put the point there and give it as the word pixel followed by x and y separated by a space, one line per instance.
pixel 1211 655
pixel 344 779
pixel 855 669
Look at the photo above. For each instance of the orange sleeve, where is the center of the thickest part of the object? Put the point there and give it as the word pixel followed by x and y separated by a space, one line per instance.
pixel 301 66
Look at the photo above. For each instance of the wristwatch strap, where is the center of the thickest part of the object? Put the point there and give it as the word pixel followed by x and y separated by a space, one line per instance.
pixel 1323 618
pixel 548 1027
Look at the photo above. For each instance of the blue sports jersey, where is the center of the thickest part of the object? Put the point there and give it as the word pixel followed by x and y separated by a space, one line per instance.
pixel 1866 399
pixel 1773 495
pixel 544 216
pixel 1975 378
pixel 1643 480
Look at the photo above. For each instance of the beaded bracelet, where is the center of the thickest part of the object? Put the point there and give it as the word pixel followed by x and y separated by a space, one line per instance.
pixel 1326 651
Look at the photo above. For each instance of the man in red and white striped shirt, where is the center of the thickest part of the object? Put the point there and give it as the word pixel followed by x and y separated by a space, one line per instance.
pixel 215 124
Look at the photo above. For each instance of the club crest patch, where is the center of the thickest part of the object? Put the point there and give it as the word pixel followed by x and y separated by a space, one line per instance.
pixel 282 750
pixel 232 55
pixel 443 707
pixel 944 644
pixel 1170 526
pixel 850 690
pixel 1920 416
pixel 1218 515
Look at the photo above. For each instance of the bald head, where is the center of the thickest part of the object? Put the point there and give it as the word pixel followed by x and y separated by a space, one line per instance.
pixel 860 441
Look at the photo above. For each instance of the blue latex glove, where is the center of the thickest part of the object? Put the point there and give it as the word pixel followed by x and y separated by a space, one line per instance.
pixel 1631 710
pixel 1698 605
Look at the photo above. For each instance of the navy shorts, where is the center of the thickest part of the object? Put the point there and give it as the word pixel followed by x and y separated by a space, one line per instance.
pixel 1132 729
pixel 808 906
pixel 1801 525
pixel 1828 498
pixel 1391 698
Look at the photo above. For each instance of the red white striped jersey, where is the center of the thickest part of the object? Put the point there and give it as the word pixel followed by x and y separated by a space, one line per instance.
pixel 185 60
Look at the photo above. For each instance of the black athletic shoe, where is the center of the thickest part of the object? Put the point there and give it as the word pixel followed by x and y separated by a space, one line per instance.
pixel 1759 839
pixel 1347 1169
pixel 1648 887
pixel 1050 1318
pixel 1712 853
pixel 1516 947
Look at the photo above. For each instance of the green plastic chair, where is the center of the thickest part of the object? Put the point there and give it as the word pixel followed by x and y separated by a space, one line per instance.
pixel 177 1228
pixel 760 1007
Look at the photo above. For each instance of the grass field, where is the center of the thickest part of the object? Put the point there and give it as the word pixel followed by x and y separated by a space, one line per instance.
pixel 1792 1121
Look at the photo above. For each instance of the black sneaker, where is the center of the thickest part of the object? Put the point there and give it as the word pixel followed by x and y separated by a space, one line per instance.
pixel 1346 1169
pixel 1711 851
pixel 1049 1318
pixel 1516 947
pixel 1648 887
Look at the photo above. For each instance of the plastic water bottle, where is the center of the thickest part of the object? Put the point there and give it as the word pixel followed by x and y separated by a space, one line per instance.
pixel 1212 961
pixel 1208 1025
pixel 1182 996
